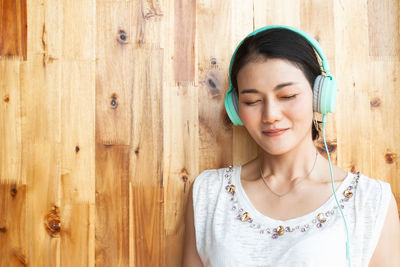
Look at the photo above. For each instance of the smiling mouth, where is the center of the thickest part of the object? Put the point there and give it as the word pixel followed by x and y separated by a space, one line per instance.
pixel 274 132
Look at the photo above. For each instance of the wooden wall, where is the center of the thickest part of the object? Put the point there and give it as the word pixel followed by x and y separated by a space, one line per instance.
pixel 109 110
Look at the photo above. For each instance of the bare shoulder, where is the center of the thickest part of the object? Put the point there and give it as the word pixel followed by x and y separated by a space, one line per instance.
pixel 388 247
pixel 339 175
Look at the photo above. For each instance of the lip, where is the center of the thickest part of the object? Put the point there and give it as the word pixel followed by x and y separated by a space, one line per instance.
pixel 275 132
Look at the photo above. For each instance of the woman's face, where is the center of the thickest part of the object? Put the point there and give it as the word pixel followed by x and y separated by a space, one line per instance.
pixel 275 94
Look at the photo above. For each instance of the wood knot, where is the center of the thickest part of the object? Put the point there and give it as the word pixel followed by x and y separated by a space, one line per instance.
pixel 185 178
pixel 114 103
pixel 122 37
pixel 213 61
pixel 332 145
pixel 3 230
pixel 52 222
pixel 390 157
pixel 184 172
pixel 13 192
pixel 6 98
pixel 353 169
pixel 77 149
pixel 137 151
pixel 213 84
pixel 375 102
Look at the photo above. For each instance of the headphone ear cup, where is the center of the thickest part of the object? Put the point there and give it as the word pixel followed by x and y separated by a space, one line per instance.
pixel 317 91
pixel 324 94
pixel 232 106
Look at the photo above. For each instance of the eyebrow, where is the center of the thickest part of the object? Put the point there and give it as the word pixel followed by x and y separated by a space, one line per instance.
pixel 277 87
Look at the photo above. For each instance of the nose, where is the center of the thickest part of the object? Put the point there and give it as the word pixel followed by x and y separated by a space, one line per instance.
pixel 271 112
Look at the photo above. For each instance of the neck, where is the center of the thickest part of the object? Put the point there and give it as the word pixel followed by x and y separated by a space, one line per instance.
pixel 291 165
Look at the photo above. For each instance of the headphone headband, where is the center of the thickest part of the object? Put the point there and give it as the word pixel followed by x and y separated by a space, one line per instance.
pixel 314 43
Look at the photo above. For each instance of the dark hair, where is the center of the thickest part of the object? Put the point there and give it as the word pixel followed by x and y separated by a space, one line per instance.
pixel 278 43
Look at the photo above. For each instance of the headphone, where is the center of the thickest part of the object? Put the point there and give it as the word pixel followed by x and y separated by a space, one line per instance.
pixel 324 89
pixel 324 101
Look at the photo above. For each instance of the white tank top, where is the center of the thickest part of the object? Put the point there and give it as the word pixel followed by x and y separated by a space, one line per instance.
pixel 231 232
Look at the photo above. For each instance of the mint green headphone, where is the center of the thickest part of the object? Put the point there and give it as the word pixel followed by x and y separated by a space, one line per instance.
pixel 324 89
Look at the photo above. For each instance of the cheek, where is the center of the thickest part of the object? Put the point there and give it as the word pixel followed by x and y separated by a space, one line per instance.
pixel 248 114
pixel 302 110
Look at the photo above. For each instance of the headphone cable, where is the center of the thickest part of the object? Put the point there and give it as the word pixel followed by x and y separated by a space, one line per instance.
pixel 334 193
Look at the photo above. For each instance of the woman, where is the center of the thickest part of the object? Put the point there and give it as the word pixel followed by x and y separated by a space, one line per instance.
pixel 278 209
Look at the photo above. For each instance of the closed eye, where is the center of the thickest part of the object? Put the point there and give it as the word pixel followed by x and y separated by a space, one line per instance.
pixel 251 103
pixel 288 97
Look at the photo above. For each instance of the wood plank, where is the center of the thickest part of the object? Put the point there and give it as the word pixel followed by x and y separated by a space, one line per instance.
pixel 353 101
pixel 321 11
pixel 149 25
pixel 114 82
pixel 146 164
pixel 77 237
pixel 42 206
pixel 10 122
pixel 78 35
pixel 185 25
pixel 45 29
pixel 181 159
pixel 213 60
pixel 180 124
pixel 383 29
pixel 78 163
pixel 384 108
pixel 13 242
pixel 40 132
pixel 271 12
pixel 40 78
pixel 114 68
pixel 13 28
pixel 146 173
pixel 112 206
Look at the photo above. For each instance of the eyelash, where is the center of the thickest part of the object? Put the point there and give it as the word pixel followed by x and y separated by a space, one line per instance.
pixel 287 97
pixel 284 97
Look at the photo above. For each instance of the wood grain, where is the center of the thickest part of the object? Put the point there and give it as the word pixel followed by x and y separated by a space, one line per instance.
pixel 146 165
pixel 112 206
pixel 215 131
pixel 109 110
pixel 10 122
pixel 185 25
pixel 13 28
pixel 114 69
pixel 14 247
pixel 77 163
pixel 40 112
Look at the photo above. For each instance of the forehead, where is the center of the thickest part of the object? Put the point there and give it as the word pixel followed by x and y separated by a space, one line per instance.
pixel 270 71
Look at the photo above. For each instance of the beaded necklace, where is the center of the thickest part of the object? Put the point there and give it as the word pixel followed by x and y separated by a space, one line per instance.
pixel 318 221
